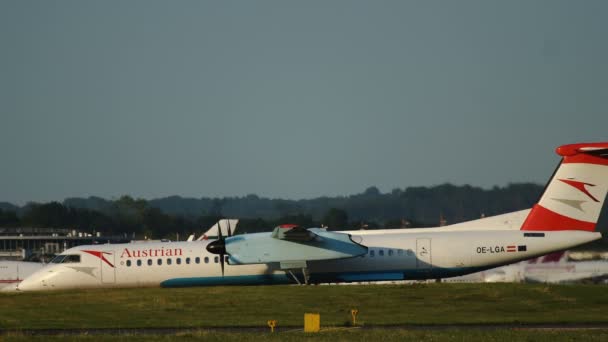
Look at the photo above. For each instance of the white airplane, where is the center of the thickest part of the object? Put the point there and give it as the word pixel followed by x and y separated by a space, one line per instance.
pixel 556 268
pixel 513 273
pixel 552 268
pixel 565 216
pixel 13 272
pixel 569 272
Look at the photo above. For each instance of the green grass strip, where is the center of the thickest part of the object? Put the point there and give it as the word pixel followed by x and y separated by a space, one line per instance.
pixel 254 305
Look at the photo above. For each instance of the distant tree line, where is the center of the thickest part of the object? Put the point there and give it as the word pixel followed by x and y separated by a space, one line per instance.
pixel 371 209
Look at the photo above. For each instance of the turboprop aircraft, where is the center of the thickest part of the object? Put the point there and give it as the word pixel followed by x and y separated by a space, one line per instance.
pixel 565 216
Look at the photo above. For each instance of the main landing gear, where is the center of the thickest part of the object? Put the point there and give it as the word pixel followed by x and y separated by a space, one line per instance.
pixel 292 266
pixel 305 276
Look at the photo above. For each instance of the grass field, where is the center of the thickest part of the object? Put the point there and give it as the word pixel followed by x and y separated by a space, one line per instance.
pixel 254 305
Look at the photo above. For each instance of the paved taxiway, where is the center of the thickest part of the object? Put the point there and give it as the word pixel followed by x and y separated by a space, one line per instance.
pixel 431 327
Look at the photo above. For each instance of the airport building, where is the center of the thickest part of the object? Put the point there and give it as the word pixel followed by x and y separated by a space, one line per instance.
pixel 19 243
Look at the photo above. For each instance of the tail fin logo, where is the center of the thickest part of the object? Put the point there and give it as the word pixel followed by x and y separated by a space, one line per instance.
pixel 580 186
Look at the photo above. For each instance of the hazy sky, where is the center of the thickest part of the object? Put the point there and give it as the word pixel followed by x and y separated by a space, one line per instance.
pixel 292 99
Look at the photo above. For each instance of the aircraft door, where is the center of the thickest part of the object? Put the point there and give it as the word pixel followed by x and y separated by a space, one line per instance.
pixel 108 271
pixel 423 253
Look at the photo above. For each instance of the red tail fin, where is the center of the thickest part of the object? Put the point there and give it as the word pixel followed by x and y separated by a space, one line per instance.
pixel 576 193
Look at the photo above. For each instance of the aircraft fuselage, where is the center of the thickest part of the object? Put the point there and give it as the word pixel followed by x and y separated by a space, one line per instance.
pixel 400 254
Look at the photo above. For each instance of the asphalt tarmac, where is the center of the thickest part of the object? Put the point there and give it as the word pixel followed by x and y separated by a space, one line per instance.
pixel 259 329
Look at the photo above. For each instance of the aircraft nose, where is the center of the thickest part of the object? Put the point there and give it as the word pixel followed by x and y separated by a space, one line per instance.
pixel 29 284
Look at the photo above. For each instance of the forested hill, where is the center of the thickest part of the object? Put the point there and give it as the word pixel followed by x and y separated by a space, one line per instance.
pixel 422 205
pixel 419 204
pixel 410 207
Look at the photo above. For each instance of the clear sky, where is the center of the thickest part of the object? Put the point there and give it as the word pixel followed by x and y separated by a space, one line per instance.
pixel 292 99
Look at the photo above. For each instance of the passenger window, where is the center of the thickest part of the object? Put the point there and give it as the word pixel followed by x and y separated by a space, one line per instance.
pixel 216 260
pixel 128 263
pixel 371 253
pixel 206 260
pixel 159 262
pixel 400 251
pixel 149 262
pixel 197 260
pixel 381 252
pixel 138 262
pixel 188 261
pixel 178 261
pixel 169 261
pixel 390 252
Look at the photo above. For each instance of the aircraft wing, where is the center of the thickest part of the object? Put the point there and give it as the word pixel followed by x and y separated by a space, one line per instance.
pixel 291 246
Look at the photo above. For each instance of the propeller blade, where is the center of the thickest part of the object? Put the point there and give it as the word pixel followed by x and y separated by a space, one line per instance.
pixel 219 228
pixel 222 263
pixel 219 246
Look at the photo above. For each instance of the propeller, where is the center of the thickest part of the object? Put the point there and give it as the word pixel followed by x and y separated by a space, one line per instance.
pixel 219 246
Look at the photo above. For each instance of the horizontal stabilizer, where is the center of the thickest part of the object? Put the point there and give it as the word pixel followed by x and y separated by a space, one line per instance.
pixel 223 224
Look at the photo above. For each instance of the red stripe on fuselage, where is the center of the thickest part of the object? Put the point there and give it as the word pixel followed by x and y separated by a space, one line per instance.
pixel 553 257
pixel 10 281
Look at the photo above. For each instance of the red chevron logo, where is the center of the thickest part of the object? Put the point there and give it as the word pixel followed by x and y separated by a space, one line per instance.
pixel 100 255
pixel 580 186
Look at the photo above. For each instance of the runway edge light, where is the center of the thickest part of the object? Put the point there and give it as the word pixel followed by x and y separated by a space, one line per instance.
pixel 272 323
pixel 354 313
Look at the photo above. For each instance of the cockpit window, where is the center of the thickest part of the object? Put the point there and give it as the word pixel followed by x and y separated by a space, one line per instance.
pixel 64 259
pixel 73 258
pixel 58 259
